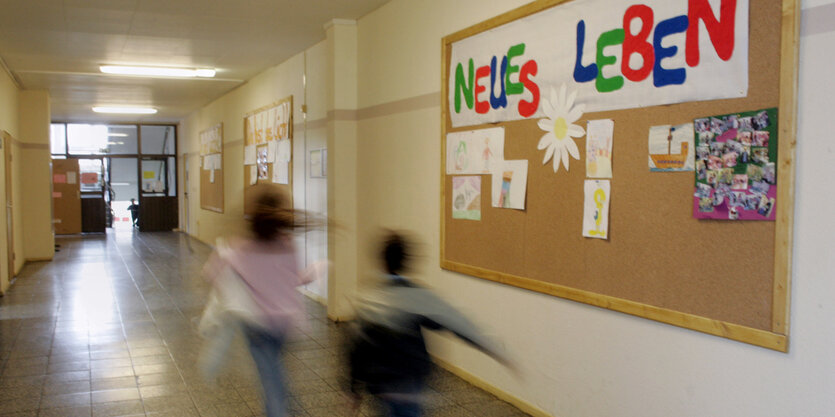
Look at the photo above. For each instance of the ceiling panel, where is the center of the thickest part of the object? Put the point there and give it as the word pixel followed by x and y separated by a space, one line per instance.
pixel 59 44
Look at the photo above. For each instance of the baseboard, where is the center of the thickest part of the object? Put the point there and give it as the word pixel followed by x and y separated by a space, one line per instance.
pixel 43 259
pixel 313 296
pixel 486 386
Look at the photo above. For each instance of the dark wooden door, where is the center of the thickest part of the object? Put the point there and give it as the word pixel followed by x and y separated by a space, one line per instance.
pixel 157 214
pixel 66 196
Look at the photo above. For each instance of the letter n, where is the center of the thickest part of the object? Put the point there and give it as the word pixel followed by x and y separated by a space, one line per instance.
pixel 721 31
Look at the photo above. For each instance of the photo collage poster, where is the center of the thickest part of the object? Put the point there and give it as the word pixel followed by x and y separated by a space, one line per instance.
pixel 736 169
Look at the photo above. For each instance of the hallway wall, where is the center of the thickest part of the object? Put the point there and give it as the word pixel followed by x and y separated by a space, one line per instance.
pixel 35 181
pixel 585 361
pixel 8 123
pixel 25 114
pixel 273 84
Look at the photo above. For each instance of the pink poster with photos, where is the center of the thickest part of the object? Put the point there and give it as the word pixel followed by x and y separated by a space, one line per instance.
pixel 736 166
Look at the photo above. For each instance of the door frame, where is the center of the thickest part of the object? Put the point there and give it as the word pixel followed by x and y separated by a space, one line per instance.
pixel 7 144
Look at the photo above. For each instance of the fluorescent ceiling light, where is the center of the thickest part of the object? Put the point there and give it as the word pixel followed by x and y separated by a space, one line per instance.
pixel 124 110
pixel 120 135
pixel 157 71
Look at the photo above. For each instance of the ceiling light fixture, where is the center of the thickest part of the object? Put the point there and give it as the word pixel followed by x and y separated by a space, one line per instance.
pixel 124 110
pixel 158 71
pixel 119 135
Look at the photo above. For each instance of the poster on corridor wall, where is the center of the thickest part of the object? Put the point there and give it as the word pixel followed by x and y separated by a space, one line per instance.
pixel 613 54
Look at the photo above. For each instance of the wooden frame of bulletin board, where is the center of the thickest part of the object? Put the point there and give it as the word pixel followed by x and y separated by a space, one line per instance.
pixel 729 278
pixel 211 168
pixel 268 131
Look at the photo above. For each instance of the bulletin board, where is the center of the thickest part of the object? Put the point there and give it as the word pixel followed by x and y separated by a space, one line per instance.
pixel 211 168
pixel 268 147
pixel 728 278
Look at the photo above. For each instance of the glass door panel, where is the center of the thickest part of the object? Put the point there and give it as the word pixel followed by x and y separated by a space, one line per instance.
pixel 154 174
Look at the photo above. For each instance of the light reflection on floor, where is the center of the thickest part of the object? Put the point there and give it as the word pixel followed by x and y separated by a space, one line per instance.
pixel 107 329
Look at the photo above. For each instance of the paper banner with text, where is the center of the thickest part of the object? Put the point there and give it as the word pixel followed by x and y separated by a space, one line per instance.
pixel 616 54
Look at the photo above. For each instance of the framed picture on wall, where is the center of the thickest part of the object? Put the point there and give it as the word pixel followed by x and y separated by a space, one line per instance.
pixel 317 163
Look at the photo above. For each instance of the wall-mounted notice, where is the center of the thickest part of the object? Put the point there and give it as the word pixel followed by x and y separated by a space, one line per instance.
pixel 211 140
pixel 211 174
pixel 316 163
pixel 509 184
pixel 736 173
pixel 618 55
pixel 474 151
pixel 599 148
pixel 268 124
pixel 466 197
pixel 268 135
pixel 671 148
pixel 250 155
pixel 596 209
pixel 281 172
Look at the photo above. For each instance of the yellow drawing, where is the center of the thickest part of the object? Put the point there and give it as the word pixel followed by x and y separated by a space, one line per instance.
pixel 599 199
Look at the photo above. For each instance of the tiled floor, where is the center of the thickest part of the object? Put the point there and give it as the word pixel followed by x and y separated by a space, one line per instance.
pixel 107 329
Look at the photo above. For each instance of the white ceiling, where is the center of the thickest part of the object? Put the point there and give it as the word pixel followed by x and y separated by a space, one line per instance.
pixel 58 45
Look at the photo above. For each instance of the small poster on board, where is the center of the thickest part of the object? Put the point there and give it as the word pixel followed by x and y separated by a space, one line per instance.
pixel 510 184
pixel 671 148
pixel 466 197
pixel 599 148
pixel 596 209
pixel 474 151
pixel 736 166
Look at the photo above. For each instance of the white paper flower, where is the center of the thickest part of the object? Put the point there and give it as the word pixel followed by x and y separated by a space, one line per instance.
pixel 558 142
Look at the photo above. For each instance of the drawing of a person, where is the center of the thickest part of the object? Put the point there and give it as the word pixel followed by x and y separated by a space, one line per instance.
pixel 488 154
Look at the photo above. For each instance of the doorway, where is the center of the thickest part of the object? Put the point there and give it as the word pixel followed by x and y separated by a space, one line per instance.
pixel 124 189
pixel 120 163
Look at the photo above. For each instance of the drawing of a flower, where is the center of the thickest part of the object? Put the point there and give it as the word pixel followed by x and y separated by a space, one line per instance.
pixel 558 142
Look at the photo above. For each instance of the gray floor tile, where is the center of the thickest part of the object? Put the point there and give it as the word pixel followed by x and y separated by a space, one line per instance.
pixel 131 349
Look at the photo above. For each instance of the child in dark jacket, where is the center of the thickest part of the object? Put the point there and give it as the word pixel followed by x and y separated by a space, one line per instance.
pixel 388 355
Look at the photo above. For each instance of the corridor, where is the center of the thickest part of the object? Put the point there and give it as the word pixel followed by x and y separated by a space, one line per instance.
pixel 107 329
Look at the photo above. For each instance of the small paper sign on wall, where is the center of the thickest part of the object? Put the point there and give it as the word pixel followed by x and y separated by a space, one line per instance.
pixel 596 209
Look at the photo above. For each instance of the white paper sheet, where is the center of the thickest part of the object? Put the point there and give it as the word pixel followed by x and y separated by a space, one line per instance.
pixel 71 177
pixel 253 174
pixel 466 197
pixel 281 172
pixel 509 184
pixel 599 148
pixel 212 176
pixel 671 148
pixel 249 155
pixel 283 151
pixel 474 151
pixel 596 209
pixel 271 150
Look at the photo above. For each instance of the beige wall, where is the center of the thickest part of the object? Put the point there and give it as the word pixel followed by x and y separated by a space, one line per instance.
pixel 576 360
pixel 35 183
pixel 8 123
pixel 25 115
pixel 272 85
